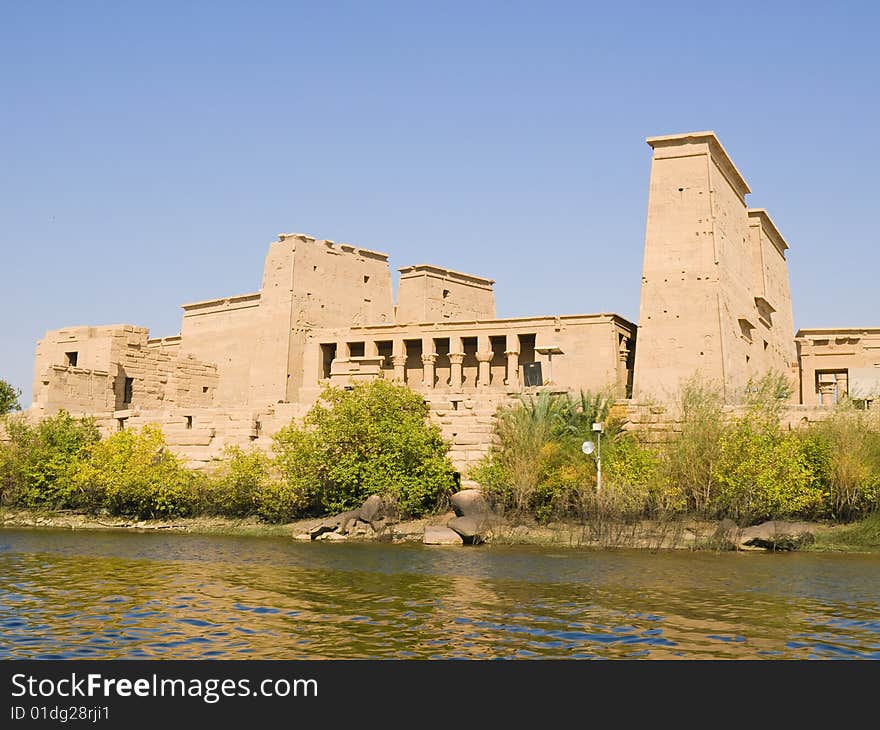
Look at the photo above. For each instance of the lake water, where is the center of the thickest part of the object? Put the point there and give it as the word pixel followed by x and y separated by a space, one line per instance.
pixel 87 594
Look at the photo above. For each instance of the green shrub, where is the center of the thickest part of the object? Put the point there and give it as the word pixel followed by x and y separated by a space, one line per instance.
pixel 39 462
pixel 641 475
pixel 536 465
pixel 764 473
pixel 692 454
pixel 236 489
pixel 845 456
pixel 371 438
pixel 132 473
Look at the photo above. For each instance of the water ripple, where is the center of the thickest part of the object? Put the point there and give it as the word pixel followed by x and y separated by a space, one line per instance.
pixel 118 595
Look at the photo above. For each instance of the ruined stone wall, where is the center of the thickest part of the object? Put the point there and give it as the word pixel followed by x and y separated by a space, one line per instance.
pixel 79 391
pixel 70 362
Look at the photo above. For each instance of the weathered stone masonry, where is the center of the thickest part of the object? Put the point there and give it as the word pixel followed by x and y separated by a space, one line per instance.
pixel 715 300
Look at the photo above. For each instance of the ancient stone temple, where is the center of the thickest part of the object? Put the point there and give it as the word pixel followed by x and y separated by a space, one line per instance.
pixel 243 366
pixel 715 300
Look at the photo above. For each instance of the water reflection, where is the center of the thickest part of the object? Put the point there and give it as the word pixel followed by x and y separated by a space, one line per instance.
pixel 126 595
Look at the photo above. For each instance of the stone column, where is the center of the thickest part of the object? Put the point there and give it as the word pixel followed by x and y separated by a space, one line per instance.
pixel 842 385
pixel 455 377
pixel 398 360
pixel 484 357
pixel 512 352
pixel 371 348
pixel 342 352
pixel 428 360
pixel 623 359
pixel 826 393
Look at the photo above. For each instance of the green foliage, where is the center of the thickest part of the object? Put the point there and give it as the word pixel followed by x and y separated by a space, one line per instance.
pixel 763 473
pixel 641 476
pixel 845 456
pixel 38 464
pixel 691 456
pixel 537 466
pixel 860 536
pixel 133 473
pixel 373 438
pixel 238 489
pixel 9 396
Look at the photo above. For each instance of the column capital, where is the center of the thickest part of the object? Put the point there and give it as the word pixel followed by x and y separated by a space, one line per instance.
pixel 509 353
pixel 398 360
pixel 485 356
pixel 429 358
pixel 456 358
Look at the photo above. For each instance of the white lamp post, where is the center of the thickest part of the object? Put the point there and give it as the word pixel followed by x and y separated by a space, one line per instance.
pixel 588 447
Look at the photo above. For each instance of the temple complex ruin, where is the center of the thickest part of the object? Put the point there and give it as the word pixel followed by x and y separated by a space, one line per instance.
pixel 715 300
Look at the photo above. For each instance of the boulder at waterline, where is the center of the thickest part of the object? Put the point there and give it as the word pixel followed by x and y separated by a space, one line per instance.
pixel 439 535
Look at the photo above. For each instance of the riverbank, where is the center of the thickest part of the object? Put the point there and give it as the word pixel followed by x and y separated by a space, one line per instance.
pixel 673 534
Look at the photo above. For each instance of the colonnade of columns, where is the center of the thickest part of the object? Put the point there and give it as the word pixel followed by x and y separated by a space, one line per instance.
pixel 484 356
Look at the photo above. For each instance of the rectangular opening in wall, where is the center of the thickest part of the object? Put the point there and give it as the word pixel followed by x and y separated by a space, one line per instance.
pixel 356 349
pixel 71 358
pixel 526 349
pixel 120 424
pixel 204 389
pixel 498 365
pixel 831 386
pixel 328 355
pixel 442 366
pixel 385 349
pixel 470 366
pixel 128 391
pixel 189 422
pixel 414 366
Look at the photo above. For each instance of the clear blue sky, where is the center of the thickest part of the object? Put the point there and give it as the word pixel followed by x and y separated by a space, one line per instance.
pixel 150 152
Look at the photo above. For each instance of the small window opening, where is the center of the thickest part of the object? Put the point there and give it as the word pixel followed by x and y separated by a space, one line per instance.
pixel 446 293
pixel 204 389
pixel 71 358
pixel 189 422
pixel 128 390
pixel 120 424
pixel 366 279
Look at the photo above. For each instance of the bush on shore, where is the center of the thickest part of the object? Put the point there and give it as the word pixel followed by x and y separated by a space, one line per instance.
pixel 39 463
pixel 376 438
pixel 133 473
pixel 746 467
pixel 372 438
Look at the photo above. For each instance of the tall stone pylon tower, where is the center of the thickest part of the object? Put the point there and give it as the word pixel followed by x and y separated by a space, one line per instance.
pixel 715 298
